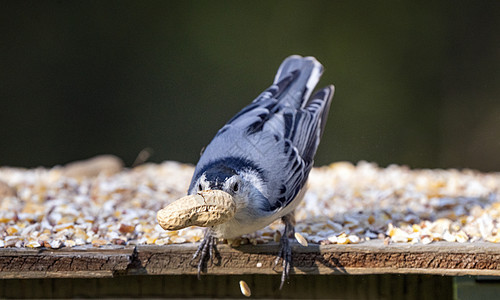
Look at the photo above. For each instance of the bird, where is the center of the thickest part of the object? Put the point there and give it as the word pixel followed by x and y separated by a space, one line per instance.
pixel 261 158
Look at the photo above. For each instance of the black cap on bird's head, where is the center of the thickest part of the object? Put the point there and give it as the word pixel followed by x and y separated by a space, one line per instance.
pixel 217 175
pixel 214 174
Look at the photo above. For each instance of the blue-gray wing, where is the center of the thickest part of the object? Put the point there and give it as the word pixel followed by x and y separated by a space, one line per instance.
pixel 303 130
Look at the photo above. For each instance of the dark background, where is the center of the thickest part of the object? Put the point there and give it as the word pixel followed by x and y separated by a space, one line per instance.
pixel 416 83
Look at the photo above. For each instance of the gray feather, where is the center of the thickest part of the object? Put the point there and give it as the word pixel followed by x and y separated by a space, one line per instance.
pixel 310 71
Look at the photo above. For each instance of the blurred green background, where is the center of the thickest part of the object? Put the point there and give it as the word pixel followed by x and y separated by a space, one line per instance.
pixel 417 83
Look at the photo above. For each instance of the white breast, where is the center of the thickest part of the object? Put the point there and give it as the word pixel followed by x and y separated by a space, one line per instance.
pixel 239 225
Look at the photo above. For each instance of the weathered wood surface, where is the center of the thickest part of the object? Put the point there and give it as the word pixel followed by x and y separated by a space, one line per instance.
pixel 371 257
pixel 69 262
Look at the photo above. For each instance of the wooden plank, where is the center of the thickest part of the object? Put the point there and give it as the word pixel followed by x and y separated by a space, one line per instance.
pixel 78 262
pixel 372 257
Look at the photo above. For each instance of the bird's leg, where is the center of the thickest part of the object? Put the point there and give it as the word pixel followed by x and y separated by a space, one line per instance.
pixel 285 252
pixel 206 251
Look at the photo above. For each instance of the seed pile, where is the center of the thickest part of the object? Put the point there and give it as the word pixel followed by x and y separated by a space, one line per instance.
pixel 344 204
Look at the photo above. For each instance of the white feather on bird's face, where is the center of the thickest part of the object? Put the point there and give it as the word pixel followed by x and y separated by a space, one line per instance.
pixel 246 187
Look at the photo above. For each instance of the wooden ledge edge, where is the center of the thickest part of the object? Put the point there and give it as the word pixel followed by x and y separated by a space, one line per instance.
pixel 371 257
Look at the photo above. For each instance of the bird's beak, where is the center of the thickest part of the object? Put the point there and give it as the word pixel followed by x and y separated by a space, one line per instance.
pixel 207 208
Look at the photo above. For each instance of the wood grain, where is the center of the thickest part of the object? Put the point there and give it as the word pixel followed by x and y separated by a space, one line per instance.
pixel 70 262
pixel 372 257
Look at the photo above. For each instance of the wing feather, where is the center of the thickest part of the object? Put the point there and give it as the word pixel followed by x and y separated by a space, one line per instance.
pixel 300 144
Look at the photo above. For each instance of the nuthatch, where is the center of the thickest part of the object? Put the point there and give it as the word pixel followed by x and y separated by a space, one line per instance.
pixel 255 169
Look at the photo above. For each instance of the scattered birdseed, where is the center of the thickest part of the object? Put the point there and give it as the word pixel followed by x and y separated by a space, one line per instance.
pixel 6 190
pixel 344 204
pixel 277 236
pixel 245 290
pixel 301 239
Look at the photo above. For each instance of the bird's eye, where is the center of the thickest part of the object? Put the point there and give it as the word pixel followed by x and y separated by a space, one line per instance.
pixel 200 187
pixel 235 187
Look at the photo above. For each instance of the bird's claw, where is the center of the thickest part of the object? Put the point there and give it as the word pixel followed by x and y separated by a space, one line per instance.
pixel 206 251
pixel 285 252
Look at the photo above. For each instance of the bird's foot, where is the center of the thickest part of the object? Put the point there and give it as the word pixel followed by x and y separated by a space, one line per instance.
pixel 285 252
pixel 206 251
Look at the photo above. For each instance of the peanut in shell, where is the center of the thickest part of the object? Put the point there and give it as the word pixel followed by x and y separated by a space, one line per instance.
pixel 205 209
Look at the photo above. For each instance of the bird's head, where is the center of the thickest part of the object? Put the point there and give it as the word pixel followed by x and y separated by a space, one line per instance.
pixel 218 195
pixel 219 177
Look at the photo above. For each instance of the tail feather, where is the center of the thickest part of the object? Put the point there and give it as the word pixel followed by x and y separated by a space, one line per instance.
pixel 310 71
pixel 324 96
